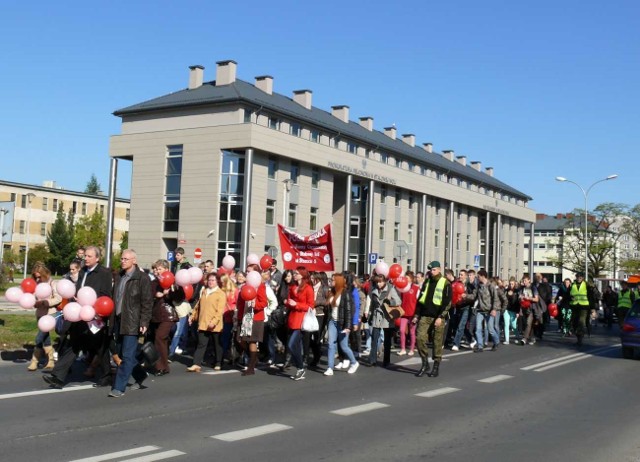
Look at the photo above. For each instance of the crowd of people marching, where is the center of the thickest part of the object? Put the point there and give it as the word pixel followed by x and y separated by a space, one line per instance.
pixel 288 320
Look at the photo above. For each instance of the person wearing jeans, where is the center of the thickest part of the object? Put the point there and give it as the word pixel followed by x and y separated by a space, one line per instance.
pixel 340 323
pixel 488 309
pixel 301 298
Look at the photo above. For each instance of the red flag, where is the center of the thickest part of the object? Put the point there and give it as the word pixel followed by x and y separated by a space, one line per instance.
pixel 314 252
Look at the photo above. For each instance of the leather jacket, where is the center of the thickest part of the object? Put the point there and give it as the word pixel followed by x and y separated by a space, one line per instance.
pixel 137 303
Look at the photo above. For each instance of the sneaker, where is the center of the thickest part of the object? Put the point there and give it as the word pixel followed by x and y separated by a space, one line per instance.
pixel 454 348
pixel 353 368
pixel 411 353
pixel 505 343
pixel 342 365
pixel 473 344
pixel 178 351
pixel 136 386
pixel 328 372
pixel 402 353
pixel 477 349
pixel 116 394
pixel 299 375
pixel 365 353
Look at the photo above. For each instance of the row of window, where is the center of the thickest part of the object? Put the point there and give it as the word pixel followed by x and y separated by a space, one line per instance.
pixel 316 136
pixel 56 203
pixel 22 228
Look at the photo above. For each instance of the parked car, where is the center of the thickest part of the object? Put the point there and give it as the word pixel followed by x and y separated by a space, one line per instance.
pixel 630 334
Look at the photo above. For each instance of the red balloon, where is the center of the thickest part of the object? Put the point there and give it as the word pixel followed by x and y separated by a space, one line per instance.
pixel 265 262
pixel 28 285
pixel 103 306
pixel 396 322
pixel 248 292
pixel 401 282
pixel 188 292
pixel 525 304
pixel 395 270
pixel 166 279
pixel 553 310
pixel 455 298
pixel 458 288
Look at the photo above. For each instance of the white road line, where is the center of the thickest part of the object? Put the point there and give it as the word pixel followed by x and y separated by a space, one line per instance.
pixel 117 455
pixel 563 363
pixel 156 456
pixel 219 372
pixel 358 409
pixel 565 358
pixel 251 432
pixel 438 392
pixel 48 391
pixel 496 378
pixel 416 359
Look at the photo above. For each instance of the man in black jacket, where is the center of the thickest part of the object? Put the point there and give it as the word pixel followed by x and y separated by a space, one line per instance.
pixel 133 304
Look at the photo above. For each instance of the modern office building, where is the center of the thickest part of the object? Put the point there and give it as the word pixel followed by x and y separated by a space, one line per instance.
pixel 31 210
pixel 217 165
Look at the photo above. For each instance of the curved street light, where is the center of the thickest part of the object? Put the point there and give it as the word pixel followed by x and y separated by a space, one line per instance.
pixel 30 197
pixel 585 193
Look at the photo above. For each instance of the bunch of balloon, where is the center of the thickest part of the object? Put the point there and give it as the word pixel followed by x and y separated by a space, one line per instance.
pixel 186 278
pixel 553 310
pixel 458 291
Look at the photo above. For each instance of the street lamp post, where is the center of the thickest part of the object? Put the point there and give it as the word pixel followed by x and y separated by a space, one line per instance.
pixel 585 193
pixel 288 183
pixel 3 212
pixel 30 197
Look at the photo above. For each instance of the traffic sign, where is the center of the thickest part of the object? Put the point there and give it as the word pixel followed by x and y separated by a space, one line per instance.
pixel 373 258
pixel 476 261
pixel 171 256
pixel 272 251
pixel 197 253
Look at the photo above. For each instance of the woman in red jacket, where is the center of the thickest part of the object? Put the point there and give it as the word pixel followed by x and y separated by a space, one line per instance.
pixel 301 299
pixel 249 343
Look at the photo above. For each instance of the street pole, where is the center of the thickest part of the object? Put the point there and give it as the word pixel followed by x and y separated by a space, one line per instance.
pixel 285 206
pixel 30 197
pixel 586 216
pixel 3 212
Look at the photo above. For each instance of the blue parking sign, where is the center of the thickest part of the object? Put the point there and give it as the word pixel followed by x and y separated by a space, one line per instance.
pixel 373 258
pixel 170 256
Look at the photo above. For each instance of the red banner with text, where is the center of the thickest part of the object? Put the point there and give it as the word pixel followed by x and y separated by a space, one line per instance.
pixel 314 252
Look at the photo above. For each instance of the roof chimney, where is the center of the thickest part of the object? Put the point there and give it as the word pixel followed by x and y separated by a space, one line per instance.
pixel 559 216
pixel 341 112
pixel 390 132
pixel 449 154
pixel 489 171
pixel 367 122
pixel 540 216
pixel 462 160
pixel 410 139
pixel 428 147
pixel 477 165
pixel 303 97
pixel 225 72
pixel 196 75
pixel 265 83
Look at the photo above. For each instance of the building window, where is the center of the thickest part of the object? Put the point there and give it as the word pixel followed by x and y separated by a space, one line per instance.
pixel 271 212
pixel 409 264
pixel 436 238
pixel 55 205
pixel 315 136
pixel 381 230
pixel 84 208
pixel 412 200
pixel 45 203
pixel 74 207
pixel 410 234
pixel 398 197
pixel 22 226
pixel 295 129
pixel 396 231
pixel 173 178
pixel 293 215
pixel 468 246
pixel 295 171
pixel 231 204
pixel 23 201
pixel 367 153
pixel 247 115
pixel 411 166
pixel 274 123
pixel 384 158
pixel 127 214
pixel 383 194
pixel 102 210
pixel 458 212
pixel 43 229
pixel 272 168
pixel 354 227
pixel 352 147
pixel 13 197
pixel 437 206
pixel 457 241
pixel 313 219
pixel 468 214
pixel 356 193
pixel 315 177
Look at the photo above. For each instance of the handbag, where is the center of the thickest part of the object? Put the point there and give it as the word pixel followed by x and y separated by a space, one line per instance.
pixel 247 323
pixel 393 312
pixel 310 322
pixel 278 318
pixel 149 354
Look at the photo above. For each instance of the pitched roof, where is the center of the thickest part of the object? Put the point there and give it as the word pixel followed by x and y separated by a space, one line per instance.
pixel 244 92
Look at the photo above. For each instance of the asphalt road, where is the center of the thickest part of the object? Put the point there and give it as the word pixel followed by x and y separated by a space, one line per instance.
pixel 549 402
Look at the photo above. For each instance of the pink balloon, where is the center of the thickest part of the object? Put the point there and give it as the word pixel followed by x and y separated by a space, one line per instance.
pixel 66 288
pixel 71 312
pixel 43 291
pixel 27 301
pixel 86 296
pixel 382 268
pixel 87 313
pixel 228 262
pixel 254 279
pixel 253 259
pixel 47 323
pixel 195 274
pixel 183 278
pixel 13 294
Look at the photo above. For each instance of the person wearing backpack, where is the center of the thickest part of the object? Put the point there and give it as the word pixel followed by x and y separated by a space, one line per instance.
pixel 488 310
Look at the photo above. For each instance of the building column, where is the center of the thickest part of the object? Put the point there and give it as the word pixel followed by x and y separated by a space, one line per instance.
pixel 487 246
pixel 370 228
pixel 421 264
pixel 347 224
pixel 531 240
pixel 452 235
pixel 111 209
pixel 498 246
pixel 246 206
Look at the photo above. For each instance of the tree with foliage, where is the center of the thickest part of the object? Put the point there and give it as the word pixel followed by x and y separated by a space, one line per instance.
pixel 601 239
pixel 93 187
pixel 60 241
pixel 631 227
pixel 124 242
pixel 38 253
pixel 91 230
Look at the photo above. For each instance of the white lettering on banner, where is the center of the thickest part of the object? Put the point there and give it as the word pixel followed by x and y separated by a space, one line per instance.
pixel 314 251
pixel 362 173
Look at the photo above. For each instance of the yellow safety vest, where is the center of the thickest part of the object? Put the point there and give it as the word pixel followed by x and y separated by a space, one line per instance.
pixel 624 299
pixel 579 294
pixel 437 293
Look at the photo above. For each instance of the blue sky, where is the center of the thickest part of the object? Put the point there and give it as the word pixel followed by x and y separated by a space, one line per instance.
pixel 534 89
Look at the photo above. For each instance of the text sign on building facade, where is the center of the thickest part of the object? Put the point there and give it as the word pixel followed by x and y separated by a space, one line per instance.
pixel 314 252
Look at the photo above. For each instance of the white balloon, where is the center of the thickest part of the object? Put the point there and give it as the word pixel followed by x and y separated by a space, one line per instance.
pixel 87 313
pixel 87 296
pixel 228 262
pixel 47 323
pixel 13 294
pixel 27 301
pixel 43 291
pixel 183 278
pixel 66 288
pixel 253 259
pixel 71 311
pixel 195 274
pixel 382 268
pixel 254 279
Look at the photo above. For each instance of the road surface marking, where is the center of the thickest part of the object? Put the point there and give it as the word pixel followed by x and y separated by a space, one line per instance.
pixel 117 455
pixel 358 409
pixel 251 432
pixel 496 378
pixel 47 391
pixel 551 361
pixel 438 392
pixel 219 372
pixel 567 359
pixel 157 456
pixel 417 360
